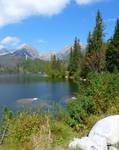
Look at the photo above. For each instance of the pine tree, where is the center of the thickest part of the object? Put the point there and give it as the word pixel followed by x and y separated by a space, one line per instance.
pixel 76 55
pixel 112 52
pixel 53 62
pixel 89 46
pixel 95 47
pixel 98 33
pixel 70 66
pixel 75 59
pixel 86 64
pixel 111 56
pixel 116 35
pixel 116 44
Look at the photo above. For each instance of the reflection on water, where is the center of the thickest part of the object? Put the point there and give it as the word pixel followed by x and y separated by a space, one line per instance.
pixel 16 87
pixel 27 100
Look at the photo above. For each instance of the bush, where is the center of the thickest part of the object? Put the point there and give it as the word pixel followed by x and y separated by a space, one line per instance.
pixel 80 108
pixel 98 96
pixel 103 90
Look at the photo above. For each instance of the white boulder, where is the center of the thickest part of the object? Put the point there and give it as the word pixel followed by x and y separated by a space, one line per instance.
pixel 103 136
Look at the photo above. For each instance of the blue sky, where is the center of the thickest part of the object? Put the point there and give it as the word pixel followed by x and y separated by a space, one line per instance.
pixel 50 27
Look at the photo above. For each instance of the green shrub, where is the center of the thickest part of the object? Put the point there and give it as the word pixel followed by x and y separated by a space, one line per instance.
pixel 98 96
pixel 81 107
pixel 61 133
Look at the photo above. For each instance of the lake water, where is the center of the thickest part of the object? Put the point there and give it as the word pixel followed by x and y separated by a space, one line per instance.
pixel 15 88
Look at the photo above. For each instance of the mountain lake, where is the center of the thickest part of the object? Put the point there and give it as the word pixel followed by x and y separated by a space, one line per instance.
pixel 22 92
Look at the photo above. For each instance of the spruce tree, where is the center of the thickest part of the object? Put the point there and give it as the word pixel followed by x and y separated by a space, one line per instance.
pixel 89 45
pixel 76 55
pixel 111 56
pixel 116 43
pixel 112 52
pixel 116 35
pixel 98 33
pixel 53 62
pixel 70 66
pixel 85 68
pixel 75 59
pixel 95 47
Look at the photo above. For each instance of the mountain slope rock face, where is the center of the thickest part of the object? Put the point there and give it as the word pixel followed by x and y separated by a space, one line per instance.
pixel 26 50
pixel 22 51
pixel 11 57
pixel 64 54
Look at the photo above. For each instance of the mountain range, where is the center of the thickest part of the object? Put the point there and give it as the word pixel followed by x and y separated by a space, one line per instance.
pixel 27 51
pixel 23 51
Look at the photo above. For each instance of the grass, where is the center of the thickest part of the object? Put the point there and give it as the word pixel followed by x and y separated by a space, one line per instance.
pixel 33 131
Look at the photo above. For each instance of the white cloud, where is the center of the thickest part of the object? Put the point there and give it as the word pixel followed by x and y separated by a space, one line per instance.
pixel 10 40
pixel 85 2
pixel 12 11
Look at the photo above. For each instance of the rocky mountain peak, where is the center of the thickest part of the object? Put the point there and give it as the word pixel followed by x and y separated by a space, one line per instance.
pixel 27 50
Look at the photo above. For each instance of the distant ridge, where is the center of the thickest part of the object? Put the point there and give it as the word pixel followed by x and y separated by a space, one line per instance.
pixel 13 56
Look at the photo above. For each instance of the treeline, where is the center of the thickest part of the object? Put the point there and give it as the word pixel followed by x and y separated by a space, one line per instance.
pixel 56 68
pixel 31 66
pixel 25 66
pixel 99 56
pixel 6 69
